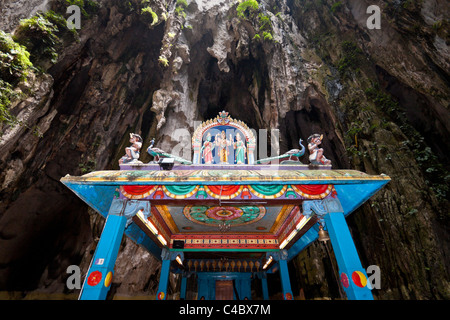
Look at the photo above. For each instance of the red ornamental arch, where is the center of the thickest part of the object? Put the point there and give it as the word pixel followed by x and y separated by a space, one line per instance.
pixel 137 191
pixel 313 189
pixel 224 190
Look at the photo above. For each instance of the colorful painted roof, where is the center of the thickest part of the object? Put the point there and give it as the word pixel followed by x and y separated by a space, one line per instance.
pixel 218 203
pixel 261 206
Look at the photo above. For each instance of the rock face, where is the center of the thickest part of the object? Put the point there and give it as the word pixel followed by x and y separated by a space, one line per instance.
pixel 14 10
pixel 380 97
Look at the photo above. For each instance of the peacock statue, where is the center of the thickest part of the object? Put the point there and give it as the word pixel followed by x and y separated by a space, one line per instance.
pixel 291 156
pixel 158 154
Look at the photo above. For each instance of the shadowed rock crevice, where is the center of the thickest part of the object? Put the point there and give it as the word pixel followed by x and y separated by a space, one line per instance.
pixel 103 84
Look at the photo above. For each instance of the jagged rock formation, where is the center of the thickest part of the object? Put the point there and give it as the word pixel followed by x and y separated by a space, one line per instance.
pixel 380 97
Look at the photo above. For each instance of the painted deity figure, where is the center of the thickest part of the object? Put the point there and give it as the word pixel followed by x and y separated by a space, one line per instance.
pixel 315 153
pixel 239 145
pixel 223 143
pixel 132 152
pixel 207 148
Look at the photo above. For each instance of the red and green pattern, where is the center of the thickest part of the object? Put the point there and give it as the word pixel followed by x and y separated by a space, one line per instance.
pixel 228 192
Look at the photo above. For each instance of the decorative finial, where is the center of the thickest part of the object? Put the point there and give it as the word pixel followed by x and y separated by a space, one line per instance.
pixel 223 117
pixel 223 114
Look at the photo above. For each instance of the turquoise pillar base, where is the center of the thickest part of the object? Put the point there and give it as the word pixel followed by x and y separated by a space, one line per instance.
pixel 99 276
pixel 352 275
pixel 285 281
pixel 161 294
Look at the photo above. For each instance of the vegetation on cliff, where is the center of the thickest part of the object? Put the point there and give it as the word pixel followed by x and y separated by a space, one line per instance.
pixel 32 48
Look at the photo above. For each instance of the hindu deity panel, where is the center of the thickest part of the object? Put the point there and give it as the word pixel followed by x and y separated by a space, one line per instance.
pixel 223 141
pixel 224 145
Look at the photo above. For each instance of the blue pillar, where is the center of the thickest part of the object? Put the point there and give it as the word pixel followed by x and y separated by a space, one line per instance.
pixel 183 287
pixel 243 288
pixel 211 289
pixel 285 282
pixel 265 288
pixel 203 288
pixel 99 276
pixel 161 294
pixel 246 289
pixel 352 275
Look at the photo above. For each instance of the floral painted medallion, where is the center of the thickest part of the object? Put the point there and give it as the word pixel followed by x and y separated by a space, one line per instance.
pixel 235 216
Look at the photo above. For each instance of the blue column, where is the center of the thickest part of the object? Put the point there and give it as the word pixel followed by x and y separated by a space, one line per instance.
pixel 246 289
pixel 243 288
pixel 202 290
pixel 352 275
pixel 265 288
pixel 99 276
pixel 211 289
pixel 161 294
pixel 285 282
pixel 183 287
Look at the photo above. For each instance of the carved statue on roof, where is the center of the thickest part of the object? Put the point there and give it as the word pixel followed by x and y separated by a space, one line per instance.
pixel 239 145
pixel 291 156
pixel 315 153
pixel 159 154
pixel 223 143
pixel 207 149
pixel 132 152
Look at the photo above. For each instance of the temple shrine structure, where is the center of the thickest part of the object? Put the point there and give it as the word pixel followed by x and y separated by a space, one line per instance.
pixel 225 218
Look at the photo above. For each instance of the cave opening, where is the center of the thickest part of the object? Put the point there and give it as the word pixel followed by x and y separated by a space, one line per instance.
pixel 241 91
